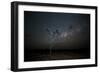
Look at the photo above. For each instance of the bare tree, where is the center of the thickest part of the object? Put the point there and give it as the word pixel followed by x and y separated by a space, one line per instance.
pixel 52 36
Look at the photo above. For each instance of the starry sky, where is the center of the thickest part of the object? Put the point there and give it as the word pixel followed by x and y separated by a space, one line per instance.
pixel 43 30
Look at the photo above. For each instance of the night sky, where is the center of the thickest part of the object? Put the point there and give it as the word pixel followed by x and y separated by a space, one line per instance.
pixel 45 30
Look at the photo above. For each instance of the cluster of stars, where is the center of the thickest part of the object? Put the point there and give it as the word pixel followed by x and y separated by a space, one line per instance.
pixel 59 35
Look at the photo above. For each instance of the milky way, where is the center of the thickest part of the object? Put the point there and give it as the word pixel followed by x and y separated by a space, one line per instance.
pixel 62 29
pixel 56 36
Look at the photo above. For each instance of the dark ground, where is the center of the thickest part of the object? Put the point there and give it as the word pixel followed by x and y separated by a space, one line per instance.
pixel 44 54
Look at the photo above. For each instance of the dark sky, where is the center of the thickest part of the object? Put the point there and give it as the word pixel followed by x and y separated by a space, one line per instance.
pixel 60 30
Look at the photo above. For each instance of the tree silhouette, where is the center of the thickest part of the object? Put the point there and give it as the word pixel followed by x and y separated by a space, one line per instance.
pixel 53 36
